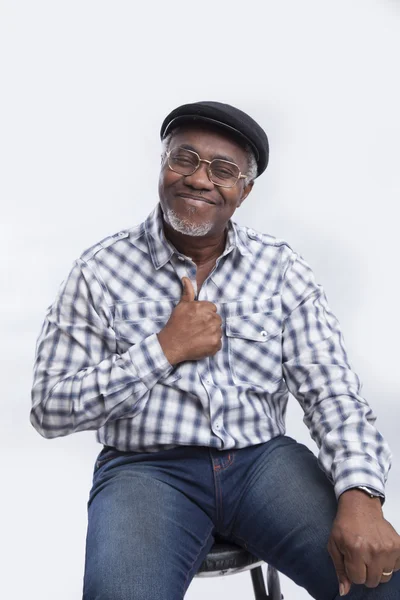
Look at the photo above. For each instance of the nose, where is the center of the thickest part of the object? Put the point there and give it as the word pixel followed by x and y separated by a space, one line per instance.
pixel 200 180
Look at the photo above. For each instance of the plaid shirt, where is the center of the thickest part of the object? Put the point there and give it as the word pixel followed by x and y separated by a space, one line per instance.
pixel 99 364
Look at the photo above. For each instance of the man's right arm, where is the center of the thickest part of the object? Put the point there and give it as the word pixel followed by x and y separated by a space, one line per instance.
pixel 80 381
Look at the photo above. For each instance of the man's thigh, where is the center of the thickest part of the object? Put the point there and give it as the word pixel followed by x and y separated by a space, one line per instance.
pixel 285 517
pixel 146 539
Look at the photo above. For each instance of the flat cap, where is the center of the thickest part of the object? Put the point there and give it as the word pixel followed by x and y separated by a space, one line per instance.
pixel 224 116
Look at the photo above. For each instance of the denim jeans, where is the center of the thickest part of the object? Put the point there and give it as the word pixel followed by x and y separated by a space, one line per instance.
pixel 152 518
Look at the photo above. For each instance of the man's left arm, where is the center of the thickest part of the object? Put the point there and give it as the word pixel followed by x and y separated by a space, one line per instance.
pixel 352 452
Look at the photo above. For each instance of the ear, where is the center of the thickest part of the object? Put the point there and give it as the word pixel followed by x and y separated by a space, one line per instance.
pixel 245 193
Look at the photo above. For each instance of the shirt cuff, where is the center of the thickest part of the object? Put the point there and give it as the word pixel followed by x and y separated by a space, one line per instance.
pixel 354 472
pixel 149 361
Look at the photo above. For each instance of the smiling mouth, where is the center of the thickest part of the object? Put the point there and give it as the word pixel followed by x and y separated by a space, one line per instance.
pixel 196 198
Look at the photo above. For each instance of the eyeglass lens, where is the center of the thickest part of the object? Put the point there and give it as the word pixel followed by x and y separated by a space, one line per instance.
pixel 185 162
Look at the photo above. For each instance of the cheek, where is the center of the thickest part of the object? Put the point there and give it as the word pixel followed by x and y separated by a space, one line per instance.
pixel 232 201
pixel 167 179
pixel 162 183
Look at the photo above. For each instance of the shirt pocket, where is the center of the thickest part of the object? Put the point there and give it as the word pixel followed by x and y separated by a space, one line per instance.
pixel 135 321
pixel 255 346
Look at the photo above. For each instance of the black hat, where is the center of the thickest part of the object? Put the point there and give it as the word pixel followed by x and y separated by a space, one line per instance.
pixel 229 118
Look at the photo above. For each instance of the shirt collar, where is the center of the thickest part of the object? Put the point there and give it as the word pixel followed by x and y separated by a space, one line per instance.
pixel 161 249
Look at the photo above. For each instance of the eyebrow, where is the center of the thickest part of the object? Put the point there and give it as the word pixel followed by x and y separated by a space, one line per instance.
pixel 221 156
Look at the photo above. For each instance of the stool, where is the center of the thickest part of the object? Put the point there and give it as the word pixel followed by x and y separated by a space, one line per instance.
pixel 227 558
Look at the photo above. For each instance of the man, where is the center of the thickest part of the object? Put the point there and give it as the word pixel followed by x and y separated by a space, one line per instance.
pixel 178 341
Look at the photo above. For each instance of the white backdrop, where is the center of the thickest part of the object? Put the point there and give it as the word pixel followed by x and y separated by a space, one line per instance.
pixel 85 86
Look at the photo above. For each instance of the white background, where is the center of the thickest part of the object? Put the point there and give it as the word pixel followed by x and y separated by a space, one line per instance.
pixel 85 86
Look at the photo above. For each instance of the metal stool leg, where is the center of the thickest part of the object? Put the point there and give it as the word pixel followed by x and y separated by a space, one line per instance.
pixel 260 593
pixel 274 587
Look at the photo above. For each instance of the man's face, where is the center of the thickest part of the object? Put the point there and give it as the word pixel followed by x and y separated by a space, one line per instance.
pixel 192 204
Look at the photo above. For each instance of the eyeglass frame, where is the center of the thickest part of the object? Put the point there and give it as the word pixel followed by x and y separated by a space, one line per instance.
pixel 240 176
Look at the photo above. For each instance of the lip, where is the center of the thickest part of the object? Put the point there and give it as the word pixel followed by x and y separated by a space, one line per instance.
pixel 197 198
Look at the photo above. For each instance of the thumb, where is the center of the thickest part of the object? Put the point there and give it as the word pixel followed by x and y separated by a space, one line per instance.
pixel 338 561
pixel 188 294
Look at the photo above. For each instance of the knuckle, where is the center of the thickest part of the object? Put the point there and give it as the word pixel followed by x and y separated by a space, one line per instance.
pixel 218 329
pixel 217 344
pixel 210 306
pixel 375 548
pixel 357 544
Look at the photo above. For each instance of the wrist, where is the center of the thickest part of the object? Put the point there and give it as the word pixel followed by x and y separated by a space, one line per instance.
pixel 170 354
pixel 359 497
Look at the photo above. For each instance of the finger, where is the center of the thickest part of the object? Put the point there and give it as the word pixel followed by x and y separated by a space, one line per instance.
pixel 386 578
pixel 188 293
pixel 356 568
pixel 209 305
pixel 374 574
pixel 338 561
pixel 397 565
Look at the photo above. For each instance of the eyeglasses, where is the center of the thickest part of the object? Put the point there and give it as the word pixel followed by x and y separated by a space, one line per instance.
pixel 220 172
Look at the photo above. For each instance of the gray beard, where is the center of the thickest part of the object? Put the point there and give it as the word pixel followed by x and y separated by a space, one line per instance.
pixel 185 226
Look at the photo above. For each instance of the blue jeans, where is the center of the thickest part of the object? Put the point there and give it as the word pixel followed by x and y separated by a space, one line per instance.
pixel 152 519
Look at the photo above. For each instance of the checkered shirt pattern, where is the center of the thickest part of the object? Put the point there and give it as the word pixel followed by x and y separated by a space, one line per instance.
pixel 99 364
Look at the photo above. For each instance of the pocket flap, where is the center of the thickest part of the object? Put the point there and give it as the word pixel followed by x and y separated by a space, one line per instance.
pixel 157 310
pixel 258 327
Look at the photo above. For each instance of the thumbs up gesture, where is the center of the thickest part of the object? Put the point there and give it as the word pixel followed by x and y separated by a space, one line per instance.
pixel 193 330
pixel 188 294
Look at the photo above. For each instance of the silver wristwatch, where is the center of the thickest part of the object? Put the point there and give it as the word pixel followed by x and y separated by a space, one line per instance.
pixel 372 493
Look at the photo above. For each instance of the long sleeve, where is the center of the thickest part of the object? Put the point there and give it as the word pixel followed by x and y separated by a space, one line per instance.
pixel 352 452
pixel 80 381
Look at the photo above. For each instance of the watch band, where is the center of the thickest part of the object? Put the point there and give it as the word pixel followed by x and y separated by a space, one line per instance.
pixel 372 493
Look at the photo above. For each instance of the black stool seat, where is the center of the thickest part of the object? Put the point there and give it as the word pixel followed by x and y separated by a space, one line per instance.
pixel 224 557
pixel 228 558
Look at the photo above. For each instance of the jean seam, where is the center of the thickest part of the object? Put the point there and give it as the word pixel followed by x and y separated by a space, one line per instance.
pixel 197 556
pixel 231 459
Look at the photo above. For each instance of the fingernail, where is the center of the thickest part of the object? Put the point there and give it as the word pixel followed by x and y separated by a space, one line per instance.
pixel 341 589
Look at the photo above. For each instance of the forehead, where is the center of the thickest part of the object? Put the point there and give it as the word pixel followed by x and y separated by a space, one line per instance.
pixel 210 143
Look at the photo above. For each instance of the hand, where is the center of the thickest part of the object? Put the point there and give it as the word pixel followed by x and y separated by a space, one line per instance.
pixel 193 330
pixel 362 544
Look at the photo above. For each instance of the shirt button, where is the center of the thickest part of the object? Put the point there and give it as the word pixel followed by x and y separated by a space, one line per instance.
pixel 121 234
pixel 264 333
pixel 181 258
